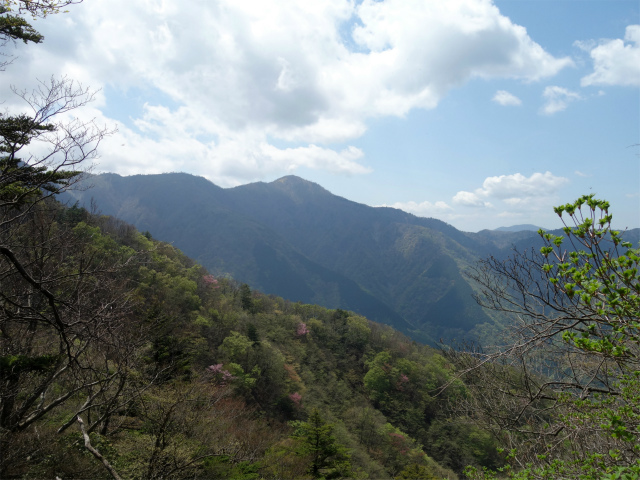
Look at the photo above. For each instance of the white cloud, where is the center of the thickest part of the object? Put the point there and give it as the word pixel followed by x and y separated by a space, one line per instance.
pixel 260 87
pixel 515 191
pixel 615 62
pixel 503 196
pixel 505 98
pixel 422 209
pixel 317 157
pixel 469 199
pixel 557 99
pixel 582 174
pixel 171 144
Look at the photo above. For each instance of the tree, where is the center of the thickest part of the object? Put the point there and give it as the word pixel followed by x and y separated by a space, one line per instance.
pixel 246 299
pixel 69 344
pixel 562 392
pixel 14 27
pixel 37 8
pixel 321 445
pixel 66 340
pixel 27 179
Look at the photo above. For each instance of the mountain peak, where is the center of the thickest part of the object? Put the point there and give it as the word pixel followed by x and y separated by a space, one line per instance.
pixel 293 180
pixel 299 187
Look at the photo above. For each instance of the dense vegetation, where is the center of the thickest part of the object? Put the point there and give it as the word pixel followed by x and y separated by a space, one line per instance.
pixel 177 373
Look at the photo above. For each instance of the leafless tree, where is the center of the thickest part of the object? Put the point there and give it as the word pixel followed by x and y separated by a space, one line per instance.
pixel 42 153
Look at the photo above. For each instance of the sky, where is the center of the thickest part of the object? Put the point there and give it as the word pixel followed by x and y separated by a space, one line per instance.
pixel 480 113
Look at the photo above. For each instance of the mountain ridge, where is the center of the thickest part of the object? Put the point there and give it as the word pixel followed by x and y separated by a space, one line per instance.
pixel 519 228
pixel 295 239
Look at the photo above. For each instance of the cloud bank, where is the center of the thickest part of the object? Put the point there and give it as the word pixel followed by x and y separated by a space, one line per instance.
pixel 246 89
pixel 423 209
pixel 503 196
pixel 513 189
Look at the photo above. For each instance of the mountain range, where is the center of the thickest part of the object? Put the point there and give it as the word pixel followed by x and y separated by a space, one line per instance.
pixel 294 239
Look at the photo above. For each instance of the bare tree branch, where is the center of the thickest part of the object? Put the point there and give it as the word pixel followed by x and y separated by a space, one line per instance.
pixel 96 453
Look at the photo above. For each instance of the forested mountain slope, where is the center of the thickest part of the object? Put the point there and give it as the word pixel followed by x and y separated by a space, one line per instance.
pixel 177 373
pixel 293 238
pixel 196 217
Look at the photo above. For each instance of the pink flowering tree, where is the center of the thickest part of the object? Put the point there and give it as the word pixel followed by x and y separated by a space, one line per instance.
pixel 402 380
pixel 220 375
pixel 210 281
pixel 302 329
pixel 296 398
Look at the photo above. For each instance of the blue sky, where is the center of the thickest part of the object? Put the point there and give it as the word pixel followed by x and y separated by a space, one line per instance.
pixel 479 113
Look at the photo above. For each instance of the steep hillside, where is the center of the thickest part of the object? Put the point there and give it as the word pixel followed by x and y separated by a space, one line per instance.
pixel 295 239
pixel 197 217
pixel 412 264
pixel 159 369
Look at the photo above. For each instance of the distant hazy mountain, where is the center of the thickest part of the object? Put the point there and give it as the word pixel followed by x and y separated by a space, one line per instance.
pixel 519 228
pixel 295 239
